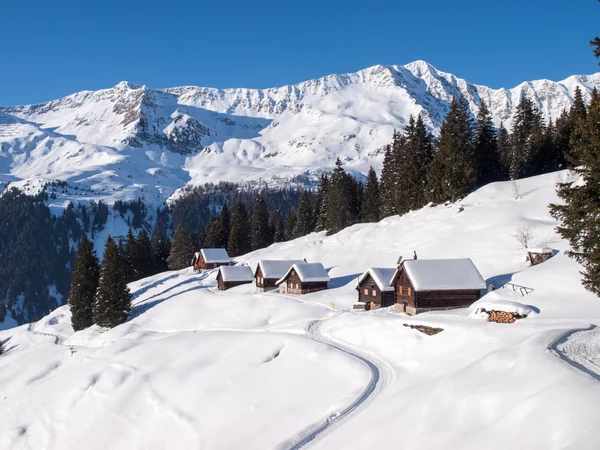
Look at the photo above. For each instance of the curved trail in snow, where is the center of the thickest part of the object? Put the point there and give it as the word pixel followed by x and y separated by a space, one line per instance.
pixel 580 348
pixel 382 376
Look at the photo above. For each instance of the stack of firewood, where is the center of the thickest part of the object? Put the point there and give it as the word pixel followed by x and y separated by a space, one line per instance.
pixel 503 317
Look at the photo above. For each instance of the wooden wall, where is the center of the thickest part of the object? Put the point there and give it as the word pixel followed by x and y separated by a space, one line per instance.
pixel 381 298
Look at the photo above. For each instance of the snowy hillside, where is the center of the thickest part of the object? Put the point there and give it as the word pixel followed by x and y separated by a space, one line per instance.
pixel 199 368
pixel 132 141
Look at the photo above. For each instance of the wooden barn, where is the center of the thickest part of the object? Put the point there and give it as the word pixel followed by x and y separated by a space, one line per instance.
pixel 210 258
pixel 374 287
pixel 304 278
pixel 269 271
pixel 539 255
pixel 231 276
pixel 435 284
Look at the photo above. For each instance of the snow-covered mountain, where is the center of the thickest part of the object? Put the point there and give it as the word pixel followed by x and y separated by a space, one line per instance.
pixel 195 367
pixel 132 141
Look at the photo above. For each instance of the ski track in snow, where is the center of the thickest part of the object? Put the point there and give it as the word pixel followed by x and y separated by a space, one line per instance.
pixel 580 348
pixel 382 373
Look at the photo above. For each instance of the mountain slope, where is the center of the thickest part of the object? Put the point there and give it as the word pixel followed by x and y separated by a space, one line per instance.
pixel 131 141
pixel 199 368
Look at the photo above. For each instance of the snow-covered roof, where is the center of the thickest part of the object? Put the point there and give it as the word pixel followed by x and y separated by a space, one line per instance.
pixel 236 273
pixel 382 277
pixel 276 268
pixel 539 249
pixel 215 255
pixel 443 274
pixel 308 272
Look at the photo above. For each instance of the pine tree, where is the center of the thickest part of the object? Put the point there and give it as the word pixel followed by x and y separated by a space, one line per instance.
pixel 290 224
pixel 305 219
pixel 84 282
pixel 452 173
pixel 391 178
pixel 239 236
pixel 487 157
pixel 142 260
pixel 160 254
pixel 222 234
pixel 415 157
pixel 596 44
pixel 342 202
pixel 320 207
pixel 259 225
pixel 127 252
pixel 371 210
pixel 504 150
pixel 562 137
pixel 276 225
pixel 210 234
pixel 579 214
pixel 182 250
pixel 526 139
pixel 112 303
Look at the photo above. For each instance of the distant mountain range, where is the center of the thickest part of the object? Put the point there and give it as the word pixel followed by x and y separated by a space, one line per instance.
pixel 132 141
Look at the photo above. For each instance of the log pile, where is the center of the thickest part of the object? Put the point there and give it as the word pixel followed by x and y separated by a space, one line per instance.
pixel 503 317
pixel 429 331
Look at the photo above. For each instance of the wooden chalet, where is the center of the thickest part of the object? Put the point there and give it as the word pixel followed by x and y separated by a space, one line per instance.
pixel 210 258
pixel 539 255
pixel 231 276
pixel 375 289
pixel 435 284
pixel 269 271
pixel 304 278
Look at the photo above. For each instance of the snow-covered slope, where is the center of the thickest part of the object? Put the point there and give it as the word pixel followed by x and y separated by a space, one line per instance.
pixel 131 141
pixel 199 368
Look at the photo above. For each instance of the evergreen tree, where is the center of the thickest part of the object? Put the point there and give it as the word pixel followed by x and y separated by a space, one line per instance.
pixel 259 225
pixel 84 283
pixel 415 157
pixel 487 157
pixel 112 303
pixel 210 235
pixel 320 207
pixel 562 137
pixel 127 251
pixel 391 178
pixel 452 173
pixel 290 224
pixel 595 43
pixel 141 259
pixel 342 201
pixel 305 219
pixel 276 225
pixel 579 214
pixel 239 236
pixel 222 234
pixel 504 150
pixel 371 210
pixel 160 254
pixel 526 139
pixel 182 250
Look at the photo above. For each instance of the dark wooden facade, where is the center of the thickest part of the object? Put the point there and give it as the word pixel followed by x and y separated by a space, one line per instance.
pixel 200 264
pixel 368 291
pixel 293 285
pixel 414 302
pixel 264 284
pixel 224 285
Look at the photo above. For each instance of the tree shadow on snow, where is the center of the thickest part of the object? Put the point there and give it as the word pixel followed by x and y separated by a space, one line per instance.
pixel 138 310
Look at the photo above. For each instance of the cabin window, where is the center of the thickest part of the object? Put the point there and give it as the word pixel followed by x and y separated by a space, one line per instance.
pixel 409 292
pixel 400 290
pixel 374 293
pixel 366 292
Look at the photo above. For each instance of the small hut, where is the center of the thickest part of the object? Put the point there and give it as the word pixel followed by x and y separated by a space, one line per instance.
pixel 539 255
pixel 210 258
pixel 268 271
pixel 231 276
pixel 374 288
pixel 436 284
pixel 304 278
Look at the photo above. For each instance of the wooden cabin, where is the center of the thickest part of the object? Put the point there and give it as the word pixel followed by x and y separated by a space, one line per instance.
pixel 231 276
pixel 539 255
pixel 210 258
pixel 269 271
pixel 304 278
pixel 436 284
pixel 375 289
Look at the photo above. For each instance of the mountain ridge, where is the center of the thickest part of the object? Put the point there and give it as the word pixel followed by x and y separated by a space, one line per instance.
pixel 130 141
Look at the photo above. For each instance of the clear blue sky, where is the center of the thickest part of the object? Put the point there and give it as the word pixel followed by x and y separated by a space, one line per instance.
pixel 52 48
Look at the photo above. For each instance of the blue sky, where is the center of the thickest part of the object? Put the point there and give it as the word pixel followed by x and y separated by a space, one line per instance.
pixel 54 48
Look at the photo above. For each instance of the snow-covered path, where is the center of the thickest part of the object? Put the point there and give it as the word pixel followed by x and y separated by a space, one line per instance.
pixel 382 375
pixel 581 349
